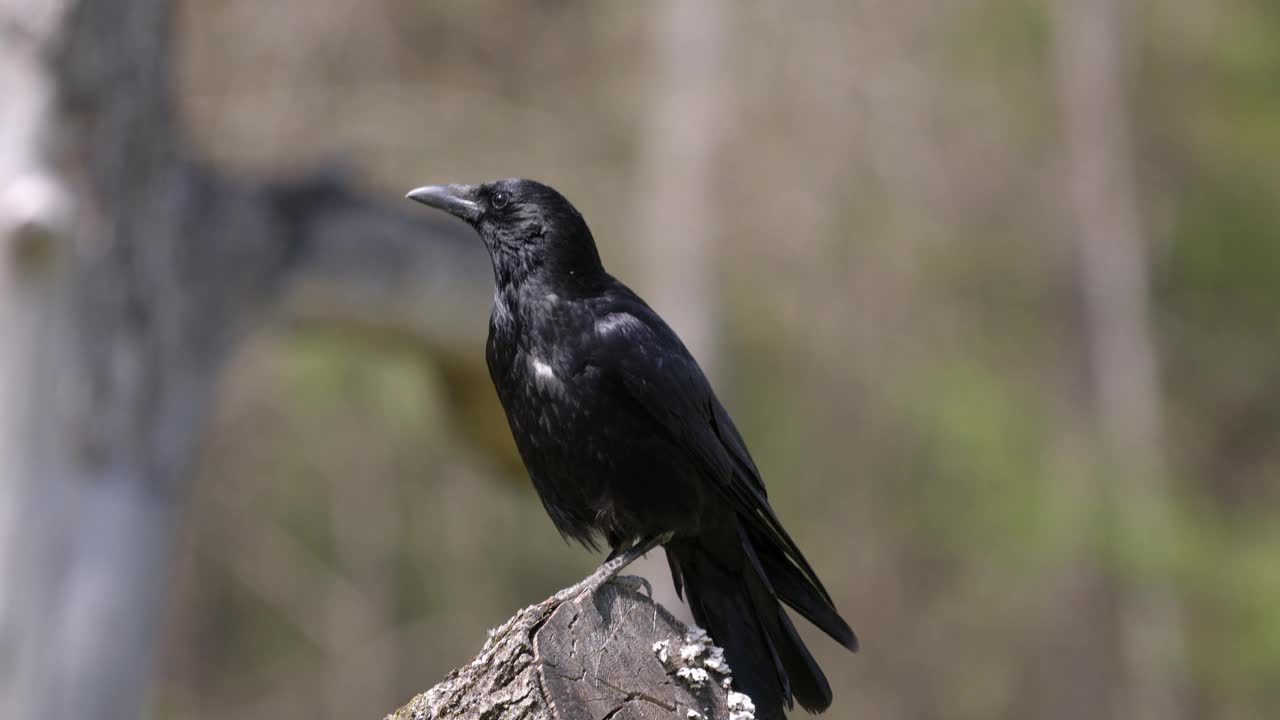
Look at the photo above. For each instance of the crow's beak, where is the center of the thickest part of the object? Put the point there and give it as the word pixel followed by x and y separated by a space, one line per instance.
pixel 459 200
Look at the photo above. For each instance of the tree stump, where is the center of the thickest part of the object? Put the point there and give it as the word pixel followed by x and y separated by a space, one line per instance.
pixel 612 656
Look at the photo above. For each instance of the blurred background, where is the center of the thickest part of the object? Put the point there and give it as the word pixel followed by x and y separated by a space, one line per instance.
pixel 990 286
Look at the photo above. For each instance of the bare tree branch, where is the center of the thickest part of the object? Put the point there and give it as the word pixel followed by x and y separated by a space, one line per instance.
pixel 365 265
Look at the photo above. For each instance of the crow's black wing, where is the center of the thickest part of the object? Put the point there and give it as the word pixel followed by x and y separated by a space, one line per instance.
pixel 655 370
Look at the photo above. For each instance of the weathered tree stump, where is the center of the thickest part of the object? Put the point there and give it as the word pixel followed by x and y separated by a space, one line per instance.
pixel 612 656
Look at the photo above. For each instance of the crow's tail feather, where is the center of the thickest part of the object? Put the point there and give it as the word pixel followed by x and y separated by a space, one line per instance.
pixel 729 589
pixel 795 589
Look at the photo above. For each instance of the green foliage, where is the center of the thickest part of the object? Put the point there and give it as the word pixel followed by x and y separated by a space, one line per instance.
pixel 982 453
pixel 1232 579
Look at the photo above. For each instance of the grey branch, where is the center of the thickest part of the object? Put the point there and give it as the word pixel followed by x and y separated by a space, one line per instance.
pixel 373 266
pixel 590 659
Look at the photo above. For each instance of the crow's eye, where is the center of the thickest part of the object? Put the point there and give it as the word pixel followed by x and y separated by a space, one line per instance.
pixel 499 200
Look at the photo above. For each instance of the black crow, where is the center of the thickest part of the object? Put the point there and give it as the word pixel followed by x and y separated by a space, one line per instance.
pixel 626 442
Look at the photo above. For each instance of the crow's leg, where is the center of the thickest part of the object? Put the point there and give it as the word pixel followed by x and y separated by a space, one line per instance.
pixel 617 560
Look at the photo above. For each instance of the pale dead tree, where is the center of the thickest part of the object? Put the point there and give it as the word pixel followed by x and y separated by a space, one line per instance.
pixel 673 241
pixel 1091 53
pixel 128 271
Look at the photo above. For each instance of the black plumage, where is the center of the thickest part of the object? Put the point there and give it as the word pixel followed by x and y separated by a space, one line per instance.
pixel 626 442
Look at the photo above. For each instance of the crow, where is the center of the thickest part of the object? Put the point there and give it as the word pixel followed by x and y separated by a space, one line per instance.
pixel 626 442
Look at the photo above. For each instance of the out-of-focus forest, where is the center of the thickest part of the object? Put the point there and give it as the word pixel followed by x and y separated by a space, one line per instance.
pixel 1005 345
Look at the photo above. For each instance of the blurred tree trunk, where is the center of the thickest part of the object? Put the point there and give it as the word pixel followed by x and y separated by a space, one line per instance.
pixel 675 209
pixel 109 364
pixel 1091 43
pixel 127 273
pixel 673 245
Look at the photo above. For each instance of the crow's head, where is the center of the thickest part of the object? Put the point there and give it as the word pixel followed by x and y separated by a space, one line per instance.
pixel 529 229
